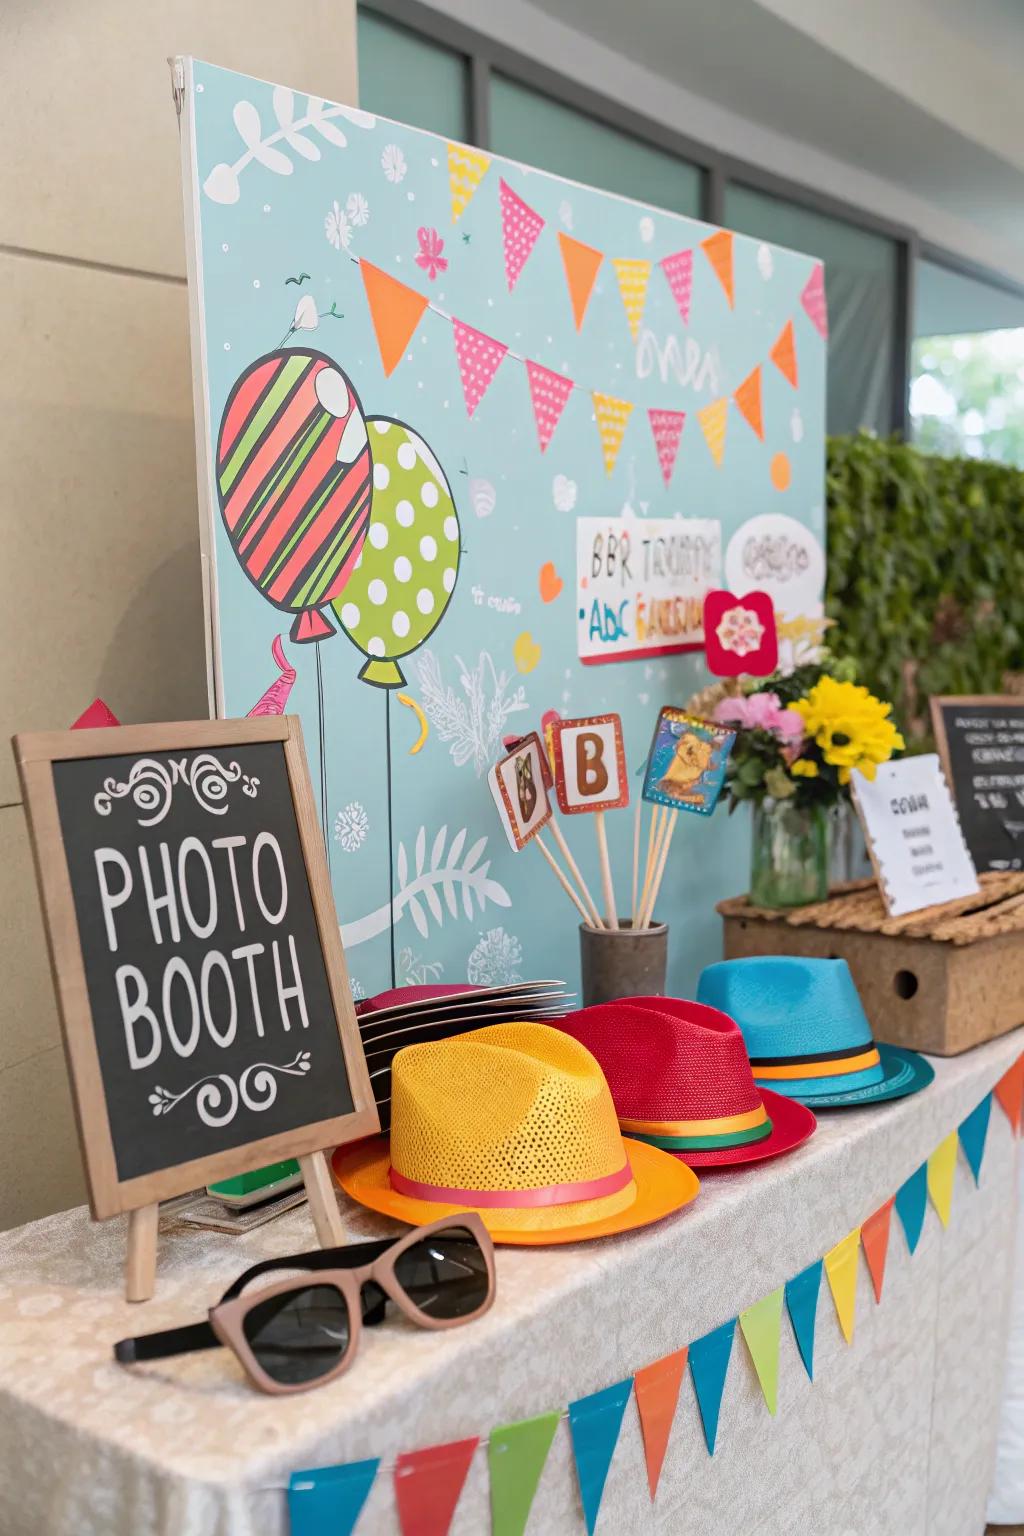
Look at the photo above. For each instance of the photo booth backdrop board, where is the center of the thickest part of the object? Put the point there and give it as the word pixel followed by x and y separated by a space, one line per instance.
pixel 288 1079
pixel 465 254
pixel 981 743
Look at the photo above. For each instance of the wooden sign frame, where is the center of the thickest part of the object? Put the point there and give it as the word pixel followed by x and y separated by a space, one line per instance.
pixel 109 1195
pixel 969 701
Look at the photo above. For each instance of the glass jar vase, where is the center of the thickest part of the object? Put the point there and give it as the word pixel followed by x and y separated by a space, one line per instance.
pixel 789 859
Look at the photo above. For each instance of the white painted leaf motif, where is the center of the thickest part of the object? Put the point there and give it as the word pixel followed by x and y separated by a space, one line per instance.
pixel 438 849
pixel 418 917
pixel 434 903
pixel 474 853
pixel 403 867
pixel 284 105
pixel 456 848
pixel 221 186
pixel 247 121
pixel 328 130
pixel 421 849
pixel 305 147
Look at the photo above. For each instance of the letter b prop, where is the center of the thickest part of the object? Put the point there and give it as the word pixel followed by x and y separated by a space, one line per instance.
pixel 591 773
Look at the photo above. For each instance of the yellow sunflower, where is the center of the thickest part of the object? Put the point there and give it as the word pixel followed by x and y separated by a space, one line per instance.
pixel 850 725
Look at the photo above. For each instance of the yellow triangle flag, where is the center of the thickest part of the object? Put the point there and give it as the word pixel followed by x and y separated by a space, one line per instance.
pixel 718 250
pixel 633 278
pixel 466 170
pixel 612 416
pixel 841 1269
pixel 582 264
pixel 941 1169
pixel 760 1325
pixel 712 423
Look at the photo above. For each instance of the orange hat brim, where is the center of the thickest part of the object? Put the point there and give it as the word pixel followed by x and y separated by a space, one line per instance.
pixel 663 1185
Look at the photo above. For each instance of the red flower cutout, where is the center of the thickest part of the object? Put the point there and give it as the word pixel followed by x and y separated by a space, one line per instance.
pixel 429 254
pixel 739 634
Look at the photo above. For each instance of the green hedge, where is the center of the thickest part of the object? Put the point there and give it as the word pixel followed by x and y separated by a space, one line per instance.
pixel 925 572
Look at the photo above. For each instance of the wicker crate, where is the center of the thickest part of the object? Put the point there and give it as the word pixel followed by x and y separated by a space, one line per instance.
pixel 941 980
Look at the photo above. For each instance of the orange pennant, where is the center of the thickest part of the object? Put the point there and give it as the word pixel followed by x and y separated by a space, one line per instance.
pixel 718 250
pixel 582 264
pixel 783 353
pixel 657 1392
pixel 1010 1092
pixel 395 311
pixel 874 1238
pixel 748 398
pixel 712 423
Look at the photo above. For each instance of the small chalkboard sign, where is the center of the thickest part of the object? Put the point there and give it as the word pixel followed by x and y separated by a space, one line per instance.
pixel 981 743
pixel 207 1017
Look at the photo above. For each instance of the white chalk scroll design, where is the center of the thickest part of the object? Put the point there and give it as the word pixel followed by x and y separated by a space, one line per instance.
pixel 150 786
pixel 218 1096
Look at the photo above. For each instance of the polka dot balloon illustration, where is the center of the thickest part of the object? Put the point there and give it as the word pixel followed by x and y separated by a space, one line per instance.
pixel 409 564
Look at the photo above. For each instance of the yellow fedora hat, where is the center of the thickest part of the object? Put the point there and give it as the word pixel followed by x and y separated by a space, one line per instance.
pixel 514 1121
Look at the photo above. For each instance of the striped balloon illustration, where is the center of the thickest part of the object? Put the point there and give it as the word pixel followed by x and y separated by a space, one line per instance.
pixel 294 476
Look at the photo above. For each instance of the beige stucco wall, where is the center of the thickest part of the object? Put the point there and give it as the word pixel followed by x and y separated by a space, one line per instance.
pixel 99 577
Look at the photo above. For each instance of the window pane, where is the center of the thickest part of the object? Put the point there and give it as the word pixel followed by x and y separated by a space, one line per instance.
pixel 402 75
pixel 860 285
pixel 539 131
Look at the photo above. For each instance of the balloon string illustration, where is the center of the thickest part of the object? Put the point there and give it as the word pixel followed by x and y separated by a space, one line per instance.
pixel 322 736
pixel 391 840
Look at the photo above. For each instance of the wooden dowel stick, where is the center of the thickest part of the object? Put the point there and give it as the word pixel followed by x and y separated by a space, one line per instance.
pixel 323 1202
pixel 673 817
pixel 637 815
pixel 611 916
pixel 563 882
pixel 588 900
pixel 653 843
pixel 140 1264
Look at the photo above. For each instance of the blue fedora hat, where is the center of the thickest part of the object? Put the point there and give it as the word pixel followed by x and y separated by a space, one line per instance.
pixel 807 1034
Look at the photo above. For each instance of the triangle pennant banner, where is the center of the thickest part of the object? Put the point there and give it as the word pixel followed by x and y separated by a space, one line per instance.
pixel 582 264
pixel 748 398
pixel 911 1200
pixel 612 416
pixel 520 226
pixel 760 1325
pixel 657 1393
pixel 709 1363
pixel 712 423
pixel 941 1171
pixel 667 427
pixel 802 1305
pixel 973 1134
pixel 395 311
pixel 516 1454
pixel 783 354
pixel 327 1501
pixel 718 250
pixel 678 270
pixel 841 1269
pixel 549 393
pixel 813 301
pixel 1010 1092
pixel 466 170
pixel 479 357
pixel 594 1423
pixel 428 1484
pixel 633 276
pixel 874 1239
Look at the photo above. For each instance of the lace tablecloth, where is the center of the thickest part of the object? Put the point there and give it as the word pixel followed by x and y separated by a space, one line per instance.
pixel 897 1432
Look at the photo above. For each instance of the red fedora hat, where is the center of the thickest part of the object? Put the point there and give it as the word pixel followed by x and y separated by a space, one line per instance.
pixel 681 1080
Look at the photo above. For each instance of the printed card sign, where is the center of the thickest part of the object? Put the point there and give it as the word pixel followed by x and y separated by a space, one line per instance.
pixel 981 742
pixel 207 1017
pixel 641 584
pixel 913 835
pixel 519 786
pixel 590 764
pixel 686 766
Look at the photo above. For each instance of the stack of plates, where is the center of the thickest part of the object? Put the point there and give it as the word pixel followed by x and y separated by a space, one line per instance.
pixel 414 1014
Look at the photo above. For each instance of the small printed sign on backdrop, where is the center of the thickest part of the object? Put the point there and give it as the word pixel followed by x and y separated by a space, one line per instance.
pixel 686 765
pixel 641 584
pixel 519 786
pixel 590 764
pixel 913 835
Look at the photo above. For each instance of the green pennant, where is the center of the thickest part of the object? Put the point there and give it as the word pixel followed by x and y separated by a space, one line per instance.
pixel 516 1454
pixel 760 1325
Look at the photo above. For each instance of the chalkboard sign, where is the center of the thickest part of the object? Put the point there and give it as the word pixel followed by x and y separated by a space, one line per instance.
pixel 207 1017
pixel 981 743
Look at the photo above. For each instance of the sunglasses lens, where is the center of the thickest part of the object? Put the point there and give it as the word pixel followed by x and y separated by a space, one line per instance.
pixel 445 1275
pixel 300 1335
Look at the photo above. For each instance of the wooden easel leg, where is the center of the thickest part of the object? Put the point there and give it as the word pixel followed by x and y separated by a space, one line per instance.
pixel 323 1203
pixel 140 1264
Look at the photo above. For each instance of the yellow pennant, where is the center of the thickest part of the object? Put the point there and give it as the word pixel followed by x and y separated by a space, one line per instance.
pixel 633 278
pixel 712 423
pixel 466 170
pixel 841 1269
pixel 941 1169
pixel 612 416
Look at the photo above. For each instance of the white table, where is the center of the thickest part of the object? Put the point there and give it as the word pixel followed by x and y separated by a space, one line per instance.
pixel 896 1434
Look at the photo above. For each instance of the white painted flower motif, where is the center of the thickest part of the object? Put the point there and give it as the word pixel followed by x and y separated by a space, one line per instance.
pixel 565 212
pixel 647 229
pixel 796 426
pixel 765 261
pixel 306 317
pixel 740 631
pixel 358 990
pixel 413 971
pixel 393 163
pixel 494 960
pixel 351 826
pixel 337 227
pixel 358 209
pixel 470 721
pixel 564 492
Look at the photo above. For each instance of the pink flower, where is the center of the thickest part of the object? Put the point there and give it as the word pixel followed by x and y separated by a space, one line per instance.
pixel 429 254
pixel 740 630
pixel 761 711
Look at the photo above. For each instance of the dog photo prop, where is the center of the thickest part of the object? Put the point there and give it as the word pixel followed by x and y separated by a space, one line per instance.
pixel 207 1018
pixel 913 835
pixel 981 743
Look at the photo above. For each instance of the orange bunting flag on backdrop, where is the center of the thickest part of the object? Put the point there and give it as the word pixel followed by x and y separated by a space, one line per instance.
pixel 783 354
pixel 582 264
pixel 712 423
pixel 549 392
pixel 874 1239
pixel 667 427
pixel 612 416
pixel 466 170
pixel 718 250
pixel 1010 1092
pixel 748 398
pixel 633 278
pixel 520 226
pixel 395 311
pixel 657 1393
pixel 478 357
